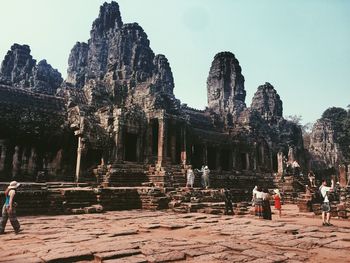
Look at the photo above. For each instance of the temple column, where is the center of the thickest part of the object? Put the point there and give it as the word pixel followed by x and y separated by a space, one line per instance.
pixel 233 158
pixel 342 175
pixel 183 146
pixel 118 140
pixel 15 163
pixel 205 154
pixel 247 161
pixel 262 152
pixel 79 152
pixel 32 162
pixel 255 156
pixel 24 165
pixel 161 140
pixel 280 163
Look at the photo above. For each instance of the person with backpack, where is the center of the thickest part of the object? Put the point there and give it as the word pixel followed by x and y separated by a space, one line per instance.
pixel 9 208
pixel 326 207
pixel 228 202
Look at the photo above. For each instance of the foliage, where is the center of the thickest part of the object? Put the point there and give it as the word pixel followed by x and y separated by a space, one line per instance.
pixel 306 128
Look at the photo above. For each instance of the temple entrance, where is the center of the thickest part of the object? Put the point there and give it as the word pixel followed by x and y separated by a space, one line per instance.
pixel 212 158
pixel 197 156
pixel 225 157
pixel 244 164
pixel 130 147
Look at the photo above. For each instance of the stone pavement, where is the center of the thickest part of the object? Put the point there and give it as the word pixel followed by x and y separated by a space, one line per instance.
pixel 146 236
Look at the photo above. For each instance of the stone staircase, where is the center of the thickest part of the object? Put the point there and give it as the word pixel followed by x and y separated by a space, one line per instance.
pixel 167 175
pixel 291 187
pixel 122 174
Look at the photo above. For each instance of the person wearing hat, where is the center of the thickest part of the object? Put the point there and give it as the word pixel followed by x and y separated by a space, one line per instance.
pixel 277 198
pixel 9 208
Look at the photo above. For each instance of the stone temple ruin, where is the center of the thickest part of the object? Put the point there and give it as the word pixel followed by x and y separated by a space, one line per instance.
pixel 115 122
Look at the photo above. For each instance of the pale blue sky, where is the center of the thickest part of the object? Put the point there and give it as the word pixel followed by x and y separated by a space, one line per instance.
pixel 301 47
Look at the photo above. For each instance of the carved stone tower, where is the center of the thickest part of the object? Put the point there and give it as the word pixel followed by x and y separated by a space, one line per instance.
pixel 225 84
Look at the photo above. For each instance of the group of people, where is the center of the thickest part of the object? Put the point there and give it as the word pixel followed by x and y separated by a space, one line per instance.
pixel 204 178
pixel 261 202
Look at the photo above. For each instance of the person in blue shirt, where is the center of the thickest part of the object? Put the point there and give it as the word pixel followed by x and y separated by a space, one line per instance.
pixel 9 208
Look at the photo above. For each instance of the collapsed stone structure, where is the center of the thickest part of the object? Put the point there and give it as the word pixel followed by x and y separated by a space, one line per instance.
pixel 116 117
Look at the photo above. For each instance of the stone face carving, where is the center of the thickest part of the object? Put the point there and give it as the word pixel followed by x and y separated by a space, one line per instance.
pixel 17 66
pixel 225 84
pixel 118 63
pixel 323 148
pixel 20 70
pixel 77 63
pixel 267 102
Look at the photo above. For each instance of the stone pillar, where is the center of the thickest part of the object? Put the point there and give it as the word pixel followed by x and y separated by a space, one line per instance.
pixel 280 163
pixel 233 158
pixel 255 156
pixel 118 136
pixel 205 154
pixel 348 184
pixel 342 176
pixel 291 157
pixel 24 165
pixel 183 146
pixel 118 139
pixel 3 149
pixel 79 152
pixel 262 152
pixel 247 161
pixel 161 142
pixel 15 163
pixel 32 161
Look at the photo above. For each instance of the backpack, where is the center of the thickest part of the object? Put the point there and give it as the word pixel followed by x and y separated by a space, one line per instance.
pixel 318 197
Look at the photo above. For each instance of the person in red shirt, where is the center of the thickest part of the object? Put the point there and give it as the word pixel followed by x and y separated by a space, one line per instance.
pixel 277 198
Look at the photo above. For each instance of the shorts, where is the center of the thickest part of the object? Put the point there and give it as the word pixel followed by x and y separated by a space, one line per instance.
pixel 326 207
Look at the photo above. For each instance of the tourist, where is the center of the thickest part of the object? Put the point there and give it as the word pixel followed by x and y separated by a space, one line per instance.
pixel 295 167
pixel 9 208
pixel 277 199
pixel 254 195
pixel 190 177
pixel 326 207
pixel 228 202
pixel 312 178
pixel 266 208
pixel 258 202
pixel 205 176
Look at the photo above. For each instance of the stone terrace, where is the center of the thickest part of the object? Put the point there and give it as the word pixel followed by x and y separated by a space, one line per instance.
pixel 144 236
